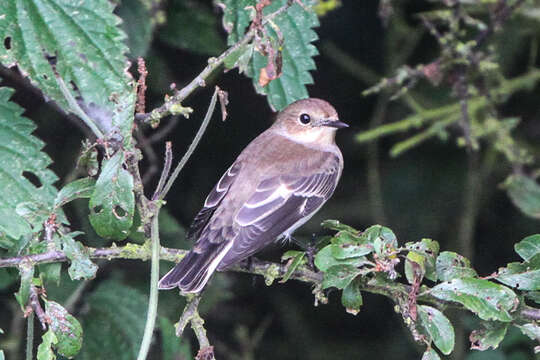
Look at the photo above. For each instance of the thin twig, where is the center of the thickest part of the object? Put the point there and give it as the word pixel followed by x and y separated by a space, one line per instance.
pixel 30 336
pixel 153 297
pixel 191 315
pixel 141 86
pixel 192 146
pixel 34 306
pixel 166 170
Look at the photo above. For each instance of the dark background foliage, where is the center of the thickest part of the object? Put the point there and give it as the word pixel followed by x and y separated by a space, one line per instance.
pixel 424 191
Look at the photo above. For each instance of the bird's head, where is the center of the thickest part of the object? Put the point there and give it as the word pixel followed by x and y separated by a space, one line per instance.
pixel 309 121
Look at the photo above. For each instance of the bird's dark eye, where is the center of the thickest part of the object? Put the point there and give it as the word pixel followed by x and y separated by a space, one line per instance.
pixel 305 119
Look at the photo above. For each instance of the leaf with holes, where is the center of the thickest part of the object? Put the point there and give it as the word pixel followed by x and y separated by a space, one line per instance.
pixel 488 300
pixel 88 47
pixel 112 204
pixel 66 328
pixel 490 336
pixel 339 276
pixel 522 276
pixel 24 176
pixel 450 265
pixel 438 327
pixel 295 26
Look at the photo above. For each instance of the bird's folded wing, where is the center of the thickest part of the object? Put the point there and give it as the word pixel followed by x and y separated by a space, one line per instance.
pixel 277 205
pixel 213 200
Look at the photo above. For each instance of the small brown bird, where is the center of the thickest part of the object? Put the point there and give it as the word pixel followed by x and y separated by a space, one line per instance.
pixel 280 180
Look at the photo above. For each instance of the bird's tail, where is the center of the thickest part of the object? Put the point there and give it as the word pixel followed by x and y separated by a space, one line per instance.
pixel 195 269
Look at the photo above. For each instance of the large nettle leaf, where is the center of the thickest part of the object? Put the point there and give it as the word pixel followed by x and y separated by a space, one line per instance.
pixel 295 28
pixel 24 177
pixel 88 47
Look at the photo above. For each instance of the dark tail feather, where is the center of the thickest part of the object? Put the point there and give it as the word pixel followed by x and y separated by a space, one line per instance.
pixel 194 270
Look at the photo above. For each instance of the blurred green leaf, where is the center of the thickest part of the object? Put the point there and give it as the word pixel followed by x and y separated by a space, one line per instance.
pixel 490 336
pixel 438 327
pixel 430 354
pixel 45 351
pixel 81 266
pixel 173 348
pixel 240 58
pixel 88 46
pixel 339 276
pixel 66 328
pixel 114 323
pixel 488 300
pixel 298 260
pixel 325 260
pixel 529 247
pixel 78 189
pixel 192 26
pixel 50 272
pixel 24 176
pixel 532 330
pixel 451 265
pixel 138 24
pixel 521 276
pixel 338 226
pixel 112 204
pixel 351 298
pixel 524 193
pixel 533 295
pixel 295 27
pixel 27 274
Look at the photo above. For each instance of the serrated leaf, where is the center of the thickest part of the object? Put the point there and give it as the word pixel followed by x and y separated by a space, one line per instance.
pixel 88 45
pixel 81 266
pixel 488 300
pixel 45 351
pixel 66 328
pixel 450 265
pixel 27 274
pixel 430 354
pixel 112 204
pixel 325 260
pixel 521 276
pixel 490 336
pixel 296 26
pixel 529 247
pixel 351 298
pixel 114 323
pixel 21 159
pixel 438 327
pixel 78 189
pixel 192 26
pixel 339 276
pixel 172 347
pixel 524 193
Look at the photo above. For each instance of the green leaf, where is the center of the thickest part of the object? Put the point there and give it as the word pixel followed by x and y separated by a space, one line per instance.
pixel 430 354
pixel 533 295
pixel 81 266
pixel 451 265
pixel 297 56
pixel 531 330
pixel 192 26
pixel 24 176
pixel 383 239
pixel 2 356
pixel 339 276
pixel 325 260
pixel 112 204
pixel 438 327
pixel 519 275
pixel 524 193
pixel 45 351
pixel 529 247
pixel 172 347
pixel 27 274
pixel 351 298
pixel 428 249
pixel 490 336
pixel 66 328
pixel 347 250
pixel 298 260
pixel 488 300
pixel 78 189
pixel 114 323
pixel 50 272
pixel 338 226
pixel 138 24
pixel 89 48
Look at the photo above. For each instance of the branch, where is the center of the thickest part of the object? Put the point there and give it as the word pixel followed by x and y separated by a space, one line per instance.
pixel 191 315
pixel 172 105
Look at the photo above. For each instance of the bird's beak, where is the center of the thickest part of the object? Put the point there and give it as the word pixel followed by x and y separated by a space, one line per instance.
pixel 334 123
